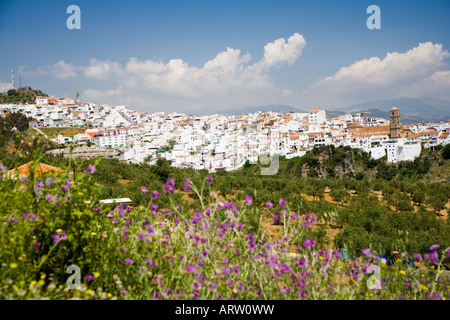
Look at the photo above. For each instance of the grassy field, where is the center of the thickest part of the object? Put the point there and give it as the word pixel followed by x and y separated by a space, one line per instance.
pixel 66 132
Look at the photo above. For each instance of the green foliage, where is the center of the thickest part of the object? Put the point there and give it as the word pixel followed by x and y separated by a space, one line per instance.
pixel 446 152
pixel 12 122
pixel 149 251
pixel 340 195
pixel 24 95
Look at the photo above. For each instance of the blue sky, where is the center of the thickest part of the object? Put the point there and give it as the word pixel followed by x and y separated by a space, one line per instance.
pixel 170 42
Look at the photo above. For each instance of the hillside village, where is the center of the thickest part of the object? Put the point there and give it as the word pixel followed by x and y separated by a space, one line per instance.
pixel 220 142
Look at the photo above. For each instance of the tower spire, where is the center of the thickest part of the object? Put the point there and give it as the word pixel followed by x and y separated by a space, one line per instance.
pixel 395 127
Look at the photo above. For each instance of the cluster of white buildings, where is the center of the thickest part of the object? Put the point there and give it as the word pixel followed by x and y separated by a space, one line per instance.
pixel 220 142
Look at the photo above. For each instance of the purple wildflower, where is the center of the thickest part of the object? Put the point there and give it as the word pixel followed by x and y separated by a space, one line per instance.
pixel 150 262
pixel 209 180
pixel 89 277
pixel 301 262
pixel 128 223
pixel 269 204
pixel 235 269
pixel 191 268
pixel 434 247
pixel 38 185
pixel 432 257
pixel 129 261
pixel 141 235
pixel 437 296
pixel 56 238
pixel 66 186
pixel 143 190
pixel 186 184
pixel 248 200
pixel 337 255
pixel 309 243
pixel 90 169
pixel 282 202
pixel 2 168
pixel 417 257
pixel 169 186
pixel 49 197
pixel 37 245
pixel 366 252
pixel 156 194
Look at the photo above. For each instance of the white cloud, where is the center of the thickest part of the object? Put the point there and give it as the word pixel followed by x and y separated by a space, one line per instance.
pixel 224 81
pixel 60 70
pixel 101 70
pixel 282 51
pixel 99 94
pixel 441 78
pixel 5 86
pixel 230 79
pixel 414 73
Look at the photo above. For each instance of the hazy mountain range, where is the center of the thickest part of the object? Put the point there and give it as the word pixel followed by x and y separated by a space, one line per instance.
pixel 412 110
pixel 273 107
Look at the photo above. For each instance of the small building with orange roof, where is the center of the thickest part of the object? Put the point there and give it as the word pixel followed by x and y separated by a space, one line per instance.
pixel 40 170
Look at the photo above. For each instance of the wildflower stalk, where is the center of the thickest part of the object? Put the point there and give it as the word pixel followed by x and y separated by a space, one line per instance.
pixel 200 197
pixel 44 258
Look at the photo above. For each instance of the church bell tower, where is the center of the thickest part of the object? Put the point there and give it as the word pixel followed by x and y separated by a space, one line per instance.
pixel 395 124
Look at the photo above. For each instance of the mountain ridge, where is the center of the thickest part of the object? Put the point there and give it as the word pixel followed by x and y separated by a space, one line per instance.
pixel 412 110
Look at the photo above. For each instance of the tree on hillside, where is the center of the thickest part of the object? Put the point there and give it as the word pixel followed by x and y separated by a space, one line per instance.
pixel 437 201
pixel 13 121
pixel 18 120
pixel 22 95
pixel 340 195
pixel 446 152
pixel 163 168
pixel 418 195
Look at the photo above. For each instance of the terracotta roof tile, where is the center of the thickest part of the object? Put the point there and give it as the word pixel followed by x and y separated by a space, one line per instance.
pixel 40 169
pixel 377 129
